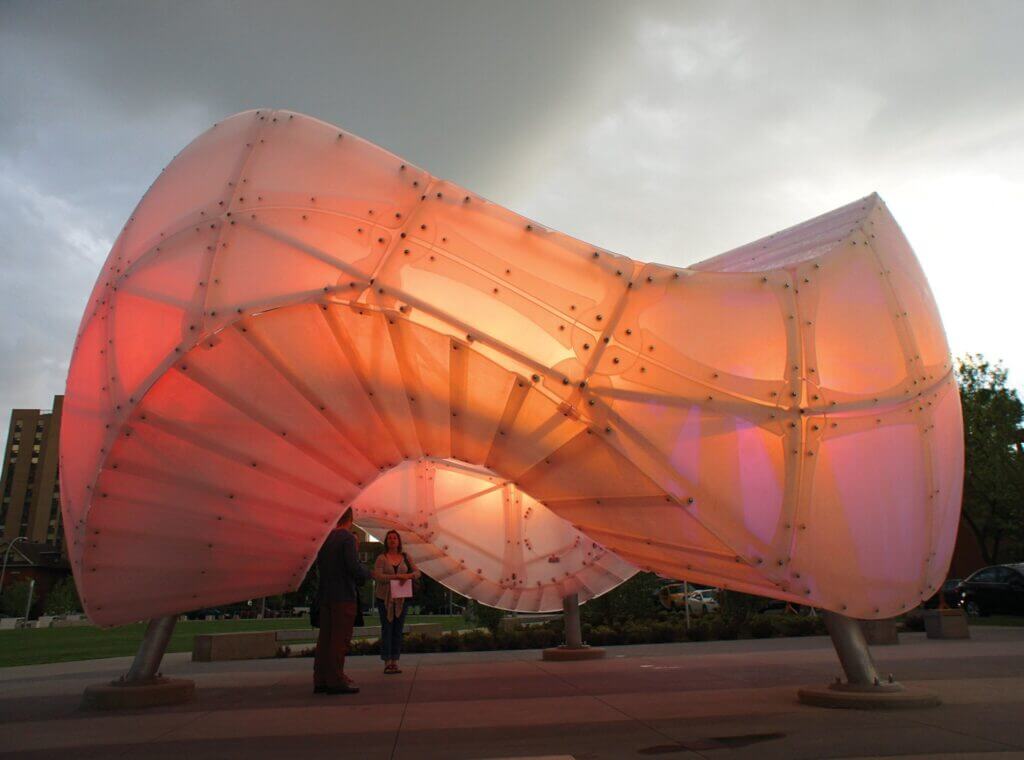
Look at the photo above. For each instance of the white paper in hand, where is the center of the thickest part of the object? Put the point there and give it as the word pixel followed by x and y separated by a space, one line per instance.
pixel 401 589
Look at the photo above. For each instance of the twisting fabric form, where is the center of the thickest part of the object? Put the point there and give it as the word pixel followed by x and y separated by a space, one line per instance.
pixel 294 320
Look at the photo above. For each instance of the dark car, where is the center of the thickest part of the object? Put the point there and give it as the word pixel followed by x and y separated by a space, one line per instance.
pixel 996 589
pixel 204 613
pixel 950 592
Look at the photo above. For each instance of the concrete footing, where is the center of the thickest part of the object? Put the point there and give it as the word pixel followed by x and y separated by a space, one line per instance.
pixel 885 696
pixel 568 654
pixel 946 624
pixel 880 632
pixel 245 645
pixel 121 695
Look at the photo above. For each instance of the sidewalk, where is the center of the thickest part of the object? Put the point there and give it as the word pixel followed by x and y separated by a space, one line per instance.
pixel 729 699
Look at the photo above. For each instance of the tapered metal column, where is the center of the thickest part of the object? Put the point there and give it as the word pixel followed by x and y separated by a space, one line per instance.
pixel 573 648
pixel 863 689
pixel 573 634
pixel 151 651
pixel 852 649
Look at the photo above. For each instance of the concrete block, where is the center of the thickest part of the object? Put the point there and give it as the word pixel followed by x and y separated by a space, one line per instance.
pixel 511 623
pixel 427 629
pixel 946 624
pixel 880 632
pixel 249 645
pixel 9 623
pixel 367 631
pixel 301 634
pixel 70 623
pixel 568 654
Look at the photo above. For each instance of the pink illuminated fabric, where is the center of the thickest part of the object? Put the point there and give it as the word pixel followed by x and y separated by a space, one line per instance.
pixel 295 320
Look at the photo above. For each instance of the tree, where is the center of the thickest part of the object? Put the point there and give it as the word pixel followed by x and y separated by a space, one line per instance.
pixel 14 598
pixel 993 503
pixel 633 600
pixel 63 598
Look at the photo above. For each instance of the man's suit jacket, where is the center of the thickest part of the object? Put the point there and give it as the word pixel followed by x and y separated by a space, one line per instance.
pixel 341 572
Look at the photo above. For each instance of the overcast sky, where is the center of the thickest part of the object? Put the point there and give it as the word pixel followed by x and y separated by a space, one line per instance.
pixel 666 131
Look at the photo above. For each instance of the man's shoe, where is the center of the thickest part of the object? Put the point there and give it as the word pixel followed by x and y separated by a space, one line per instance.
pixel 319 689
pixel 343 689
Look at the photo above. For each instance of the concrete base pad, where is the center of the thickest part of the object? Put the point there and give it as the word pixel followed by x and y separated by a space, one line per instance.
pixel 116 695
pixel 946 624
pixel 880 632
pixel 881 697
pixel 566 654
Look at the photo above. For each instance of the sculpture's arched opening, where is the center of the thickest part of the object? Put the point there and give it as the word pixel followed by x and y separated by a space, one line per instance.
pixel 485 538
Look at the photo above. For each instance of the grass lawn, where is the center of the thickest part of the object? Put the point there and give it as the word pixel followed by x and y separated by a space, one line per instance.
pixel 35 646
pixel 997 620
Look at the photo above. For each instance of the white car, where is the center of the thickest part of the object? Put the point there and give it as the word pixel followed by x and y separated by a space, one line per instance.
pixel 701 601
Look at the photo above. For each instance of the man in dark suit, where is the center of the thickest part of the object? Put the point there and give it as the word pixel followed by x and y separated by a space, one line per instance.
pixel 340 576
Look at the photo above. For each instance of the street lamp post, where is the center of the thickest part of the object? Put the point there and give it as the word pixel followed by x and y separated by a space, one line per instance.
pixel 6 555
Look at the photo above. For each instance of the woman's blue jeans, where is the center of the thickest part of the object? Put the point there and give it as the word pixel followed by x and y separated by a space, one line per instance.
pixel 391 632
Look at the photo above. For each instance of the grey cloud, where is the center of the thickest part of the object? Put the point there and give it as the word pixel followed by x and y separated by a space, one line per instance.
pixel 668 131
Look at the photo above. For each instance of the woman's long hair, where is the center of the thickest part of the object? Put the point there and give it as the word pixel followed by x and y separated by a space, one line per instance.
pixel 400 549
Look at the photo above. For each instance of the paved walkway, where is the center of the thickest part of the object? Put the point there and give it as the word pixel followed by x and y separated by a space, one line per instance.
pixel 716 700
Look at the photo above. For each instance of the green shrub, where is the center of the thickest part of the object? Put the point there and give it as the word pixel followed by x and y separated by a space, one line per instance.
pixel 656 629
pixel 724 628
pixel 487 617
pixel 801 625
pixel 699 630
pixel 449 641
pixel 478 641
pixel 15 597
pixel 738 608
pixel 633 600
pixel 63 598
pixel 761 626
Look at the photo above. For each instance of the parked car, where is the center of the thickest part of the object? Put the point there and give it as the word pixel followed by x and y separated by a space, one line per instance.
pixel 701 600
pixel 999 588
pixel 204 613
pixel 704 601
pixel 950 593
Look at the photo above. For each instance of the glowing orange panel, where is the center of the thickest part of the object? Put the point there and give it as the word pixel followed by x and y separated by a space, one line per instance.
pixel 294 321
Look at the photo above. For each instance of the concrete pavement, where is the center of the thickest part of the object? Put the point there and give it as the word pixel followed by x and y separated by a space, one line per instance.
pixel 729 699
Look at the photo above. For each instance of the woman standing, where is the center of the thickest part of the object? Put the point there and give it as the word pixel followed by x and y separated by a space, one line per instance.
pixel 393 564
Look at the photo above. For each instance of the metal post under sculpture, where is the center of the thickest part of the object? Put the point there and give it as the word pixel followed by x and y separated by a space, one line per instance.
pixel 293 315
pixel 143 686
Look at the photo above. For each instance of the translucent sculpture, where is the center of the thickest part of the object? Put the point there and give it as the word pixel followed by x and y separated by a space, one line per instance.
pixel 294 320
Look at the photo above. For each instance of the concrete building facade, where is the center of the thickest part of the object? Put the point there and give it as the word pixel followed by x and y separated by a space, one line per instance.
pixel 30 505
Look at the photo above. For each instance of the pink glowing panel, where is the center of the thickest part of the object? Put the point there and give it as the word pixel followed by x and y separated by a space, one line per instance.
pixel 294 321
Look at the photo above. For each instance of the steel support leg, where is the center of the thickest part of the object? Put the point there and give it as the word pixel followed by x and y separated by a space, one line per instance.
pixel 573 633
pixel 142 686
pixel 151 651
pixel 573 648
pixel 863 689
pixel 852 649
